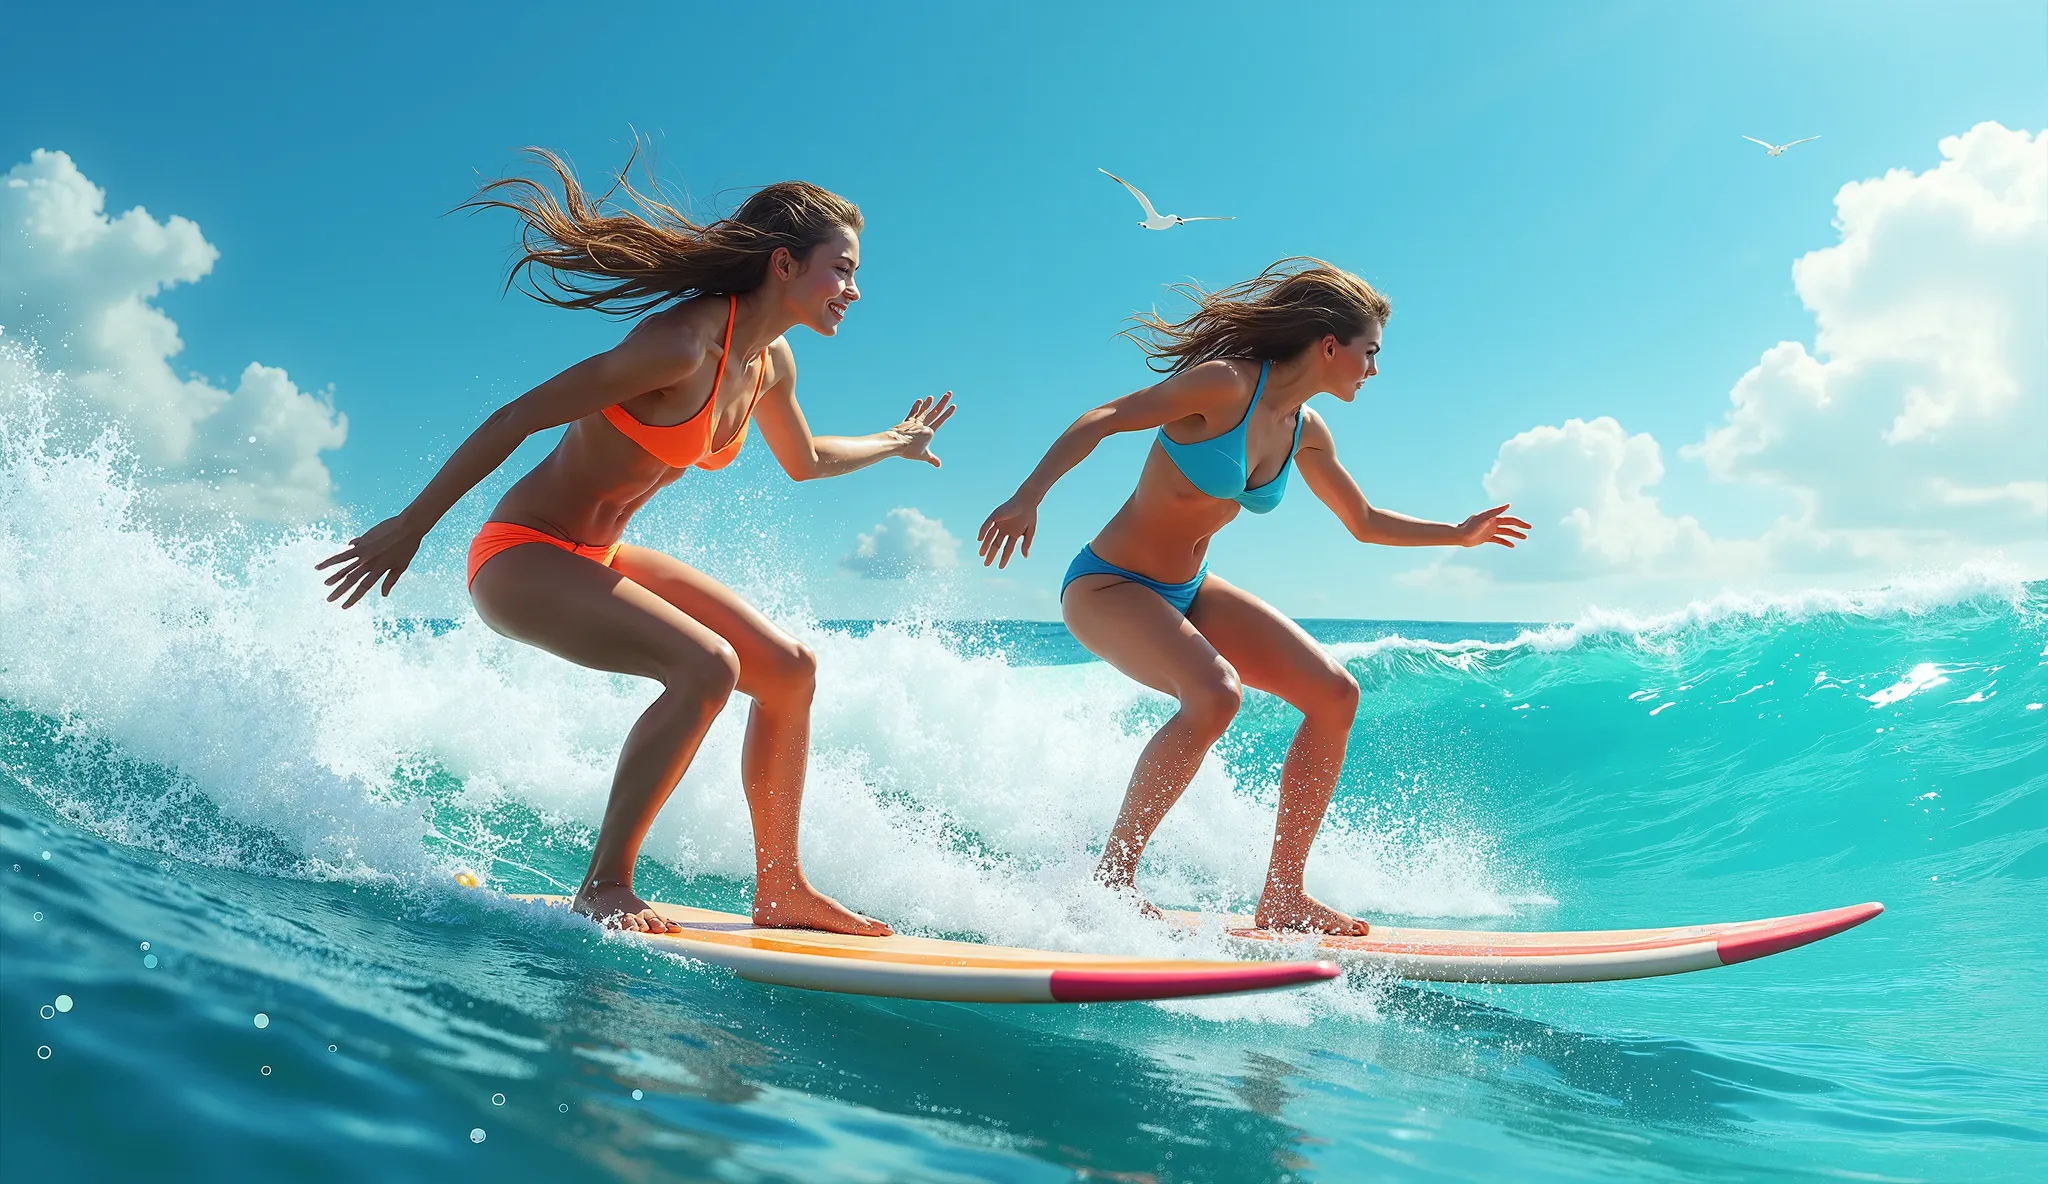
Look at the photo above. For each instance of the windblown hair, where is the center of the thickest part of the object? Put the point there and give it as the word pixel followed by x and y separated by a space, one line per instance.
pixel 1273 316
pixel 584 252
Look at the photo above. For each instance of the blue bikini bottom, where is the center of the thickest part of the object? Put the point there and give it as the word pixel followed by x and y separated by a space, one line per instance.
pixel 1180 596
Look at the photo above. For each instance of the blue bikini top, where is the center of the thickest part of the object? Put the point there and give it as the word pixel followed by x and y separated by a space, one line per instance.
pixel 1217 466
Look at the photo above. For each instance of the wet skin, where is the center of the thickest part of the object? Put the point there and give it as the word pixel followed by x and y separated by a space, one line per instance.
pixel 1229 639
pixel 649 614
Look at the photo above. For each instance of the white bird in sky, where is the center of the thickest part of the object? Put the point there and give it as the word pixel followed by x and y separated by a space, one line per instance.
pixel 1774 149
pixel 1154 220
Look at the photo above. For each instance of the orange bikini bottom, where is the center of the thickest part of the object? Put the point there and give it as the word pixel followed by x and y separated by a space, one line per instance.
pixel 503 536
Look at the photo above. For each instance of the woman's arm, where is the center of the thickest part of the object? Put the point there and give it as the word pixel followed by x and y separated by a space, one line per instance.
pixel 641 363
pixel 1206 390
pixel 1333 485
pixel 806 457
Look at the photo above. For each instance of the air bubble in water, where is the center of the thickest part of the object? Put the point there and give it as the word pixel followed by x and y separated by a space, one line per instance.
pixel 497 1099
pixel 262 1020
pixel 46 855
pixel 48 1012
pixel 43 1052
pixel 564 1107
pixel 145 947
pixel 636 1095
pixel 149 961
pixel 332 1048
pixel 63 1003
pixel 266 1070
pixel 39 916
pixel 476 1134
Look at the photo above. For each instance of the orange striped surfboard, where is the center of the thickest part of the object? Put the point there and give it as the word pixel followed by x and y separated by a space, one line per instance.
pixel 958 971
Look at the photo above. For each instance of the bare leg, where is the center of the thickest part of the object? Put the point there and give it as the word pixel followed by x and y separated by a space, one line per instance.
pixel 594 616
pixel 780 675
pixel 1130 627
pixel 1272 654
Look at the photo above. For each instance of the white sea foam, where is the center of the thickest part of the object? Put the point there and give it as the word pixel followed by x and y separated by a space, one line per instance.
pixel 947 792
pixel 1989 582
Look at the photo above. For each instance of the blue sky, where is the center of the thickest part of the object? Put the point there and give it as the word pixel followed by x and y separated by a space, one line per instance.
pixel 1556 199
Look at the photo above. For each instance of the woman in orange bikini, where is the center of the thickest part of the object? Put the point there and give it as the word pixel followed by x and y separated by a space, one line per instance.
pixel 677 393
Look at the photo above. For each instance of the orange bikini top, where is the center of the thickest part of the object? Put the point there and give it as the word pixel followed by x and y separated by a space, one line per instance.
pixel 689 442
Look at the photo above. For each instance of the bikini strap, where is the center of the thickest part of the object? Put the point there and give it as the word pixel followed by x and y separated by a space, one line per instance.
pixel 731 310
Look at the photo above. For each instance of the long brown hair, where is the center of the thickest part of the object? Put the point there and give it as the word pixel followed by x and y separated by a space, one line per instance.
pixel 1275 315
pixel 584 252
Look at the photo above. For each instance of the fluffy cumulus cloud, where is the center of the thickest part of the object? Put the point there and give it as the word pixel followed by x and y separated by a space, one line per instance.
pixel 1587 487
pixel 79 283
pixel 1914 428
pixel 1924 404
pixel 901 544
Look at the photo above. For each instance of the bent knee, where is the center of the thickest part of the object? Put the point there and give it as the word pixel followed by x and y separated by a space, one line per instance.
pixel 786 673
pixel 1334 695
pixel 1210 704
pixel 709 671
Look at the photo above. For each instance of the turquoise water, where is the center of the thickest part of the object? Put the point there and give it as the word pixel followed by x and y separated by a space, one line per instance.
pixel 221 800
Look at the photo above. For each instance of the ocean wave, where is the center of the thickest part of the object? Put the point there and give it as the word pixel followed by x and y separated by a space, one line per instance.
pixel 197 696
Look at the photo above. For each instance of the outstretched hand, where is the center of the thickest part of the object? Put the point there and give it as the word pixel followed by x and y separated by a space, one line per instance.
pixel 1492 526
pixel 1011 523
pixel 926 417
pixel 382 552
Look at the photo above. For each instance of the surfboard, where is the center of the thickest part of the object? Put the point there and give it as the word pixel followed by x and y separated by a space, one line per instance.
pixel 1584 956
pixel 954 971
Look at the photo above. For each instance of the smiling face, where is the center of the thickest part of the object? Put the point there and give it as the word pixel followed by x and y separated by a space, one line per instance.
pixel 1347 364
pixel 818 289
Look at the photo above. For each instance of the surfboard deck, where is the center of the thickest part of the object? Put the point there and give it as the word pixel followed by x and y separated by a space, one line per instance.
pixel 902 967
pixel 1584 956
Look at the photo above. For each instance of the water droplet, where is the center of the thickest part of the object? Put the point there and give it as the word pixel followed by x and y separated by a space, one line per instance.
pixel 262 1020
pixel 636 1095
pixel 564 1107
pixel 48 1012
pixel 476 1134
pixel 497 1099
pixel 63 1003
pixel 149 961
pixel 266 1070
pixel 43 1052
pixel 145 947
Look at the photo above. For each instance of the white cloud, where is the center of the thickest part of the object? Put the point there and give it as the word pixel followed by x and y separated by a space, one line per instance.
pixel 1911 434
pixel 80 283
pixel 904 542
pixel 1925 401
pixel 1586 488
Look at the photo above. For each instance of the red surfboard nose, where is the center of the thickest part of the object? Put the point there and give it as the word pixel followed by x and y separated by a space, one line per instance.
pixel 1793 932
pixel 1112 986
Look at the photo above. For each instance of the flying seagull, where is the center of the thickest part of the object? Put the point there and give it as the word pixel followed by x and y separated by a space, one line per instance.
pixel 1154 220
pixel 1775 149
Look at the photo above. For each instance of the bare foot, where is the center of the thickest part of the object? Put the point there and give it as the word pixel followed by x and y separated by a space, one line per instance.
pixel 614 906
pixel 800 906
pixel 1304 912
pixel 1124 884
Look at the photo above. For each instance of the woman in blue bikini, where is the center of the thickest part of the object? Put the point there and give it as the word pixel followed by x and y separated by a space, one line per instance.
pixel 1232 420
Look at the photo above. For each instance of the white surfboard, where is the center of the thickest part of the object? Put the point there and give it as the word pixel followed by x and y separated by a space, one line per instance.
pixel 1585 956
pixel 958 971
